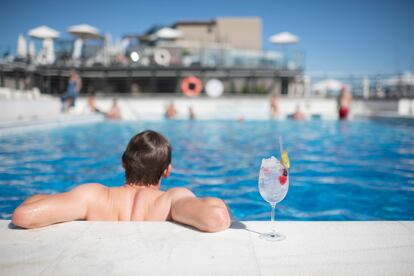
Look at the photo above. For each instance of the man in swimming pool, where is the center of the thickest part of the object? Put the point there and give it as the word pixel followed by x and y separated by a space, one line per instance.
pixel 146 160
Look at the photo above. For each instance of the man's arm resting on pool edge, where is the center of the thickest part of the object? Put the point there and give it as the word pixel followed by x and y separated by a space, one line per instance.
pixel 207 214
pixel 42 210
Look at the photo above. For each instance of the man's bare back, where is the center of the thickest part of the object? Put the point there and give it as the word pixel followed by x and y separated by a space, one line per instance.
pixel 126 203
pixel 139 200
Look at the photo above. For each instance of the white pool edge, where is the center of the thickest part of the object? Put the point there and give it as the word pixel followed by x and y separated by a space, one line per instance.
pixel 159 248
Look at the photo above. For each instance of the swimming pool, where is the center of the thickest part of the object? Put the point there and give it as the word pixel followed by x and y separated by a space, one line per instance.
pixel 359 170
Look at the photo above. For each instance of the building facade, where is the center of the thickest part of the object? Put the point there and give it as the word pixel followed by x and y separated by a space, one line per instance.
pixel 239 33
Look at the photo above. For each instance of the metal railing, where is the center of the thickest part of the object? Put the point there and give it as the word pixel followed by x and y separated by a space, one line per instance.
pixel 399 85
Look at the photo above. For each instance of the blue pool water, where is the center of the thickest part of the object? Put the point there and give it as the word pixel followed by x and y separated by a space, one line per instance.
pixel 359 170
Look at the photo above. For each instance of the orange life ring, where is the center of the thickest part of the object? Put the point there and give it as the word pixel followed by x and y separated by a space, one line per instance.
pixel 191 86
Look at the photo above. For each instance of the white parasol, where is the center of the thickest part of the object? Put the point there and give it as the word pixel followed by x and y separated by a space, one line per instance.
pixel 43 32
pixel 84 31
pixel 284 38
pixel 168 33
pixel 327 85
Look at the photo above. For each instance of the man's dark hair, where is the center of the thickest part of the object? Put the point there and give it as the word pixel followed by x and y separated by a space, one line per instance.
pixel 146 157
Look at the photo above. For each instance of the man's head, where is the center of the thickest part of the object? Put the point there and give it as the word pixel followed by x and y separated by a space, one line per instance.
pixel 147 158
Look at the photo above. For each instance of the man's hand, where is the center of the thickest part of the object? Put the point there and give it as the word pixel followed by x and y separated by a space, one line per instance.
pixel 42 210
pixel 207 214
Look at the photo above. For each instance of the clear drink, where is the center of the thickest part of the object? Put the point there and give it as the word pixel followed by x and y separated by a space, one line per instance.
pixel 273 180
pixel 273 187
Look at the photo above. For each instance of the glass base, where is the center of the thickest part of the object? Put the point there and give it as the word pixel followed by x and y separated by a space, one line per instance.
pixel 273 236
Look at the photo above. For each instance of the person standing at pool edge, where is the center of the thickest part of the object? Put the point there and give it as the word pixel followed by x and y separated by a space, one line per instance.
pixel 74 86
pixel 344 103
pixel 146 160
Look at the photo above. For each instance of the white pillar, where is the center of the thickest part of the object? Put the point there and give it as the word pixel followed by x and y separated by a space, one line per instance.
pixel 306 85
pixel 49 50
pixel 365 87
pixel 77 49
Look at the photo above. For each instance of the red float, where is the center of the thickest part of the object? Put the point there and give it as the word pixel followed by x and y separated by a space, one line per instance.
pixel 191 86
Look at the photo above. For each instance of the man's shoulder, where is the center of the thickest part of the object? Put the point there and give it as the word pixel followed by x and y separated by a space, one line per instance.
pixel 177 190
pixel 89 189
pixel 178 193
pixel 90 186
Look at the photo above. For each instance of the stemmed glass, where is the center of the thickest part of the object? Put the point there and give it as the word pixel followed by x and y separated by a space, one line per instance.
pixel 273 187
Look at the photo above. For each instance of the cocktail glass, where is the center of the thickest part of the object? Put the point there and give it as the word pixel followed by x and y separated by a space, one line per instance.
pixel 273 187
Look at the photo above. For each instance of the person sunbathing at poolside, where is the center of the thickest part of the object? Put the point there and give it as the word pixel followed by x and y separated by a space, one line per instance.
pixel 146 160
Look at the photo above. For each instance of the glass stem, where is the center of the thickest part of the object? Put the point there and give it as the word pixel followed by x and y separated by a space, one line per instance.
pixel 272 219
pixel 272 216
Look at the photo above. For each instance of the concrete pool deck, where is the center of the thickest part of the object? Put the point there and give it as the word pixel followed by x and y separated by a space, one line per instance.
pixel 163 248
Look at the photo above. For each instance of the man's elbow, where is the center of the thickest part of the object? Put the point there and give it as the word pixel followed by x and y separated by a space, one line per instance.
pixel 218 220
pixel 22 219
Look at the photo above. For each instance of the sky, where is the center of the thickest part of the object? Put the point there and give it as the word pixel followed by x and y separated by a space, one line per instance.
pixel 350 37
